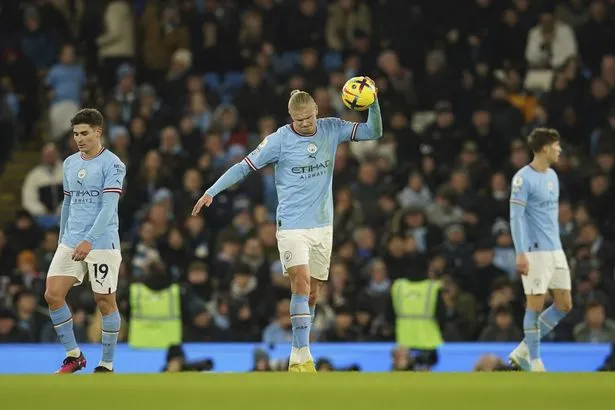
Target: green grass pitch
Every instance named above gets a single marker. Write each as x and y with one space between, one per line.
353 391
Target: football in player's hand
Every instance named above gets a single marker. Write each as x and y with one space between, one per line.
359 93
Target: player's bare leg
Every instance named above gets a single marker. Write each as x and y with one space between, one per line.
300 317
110 330
562 304
315 286
57 287
562 300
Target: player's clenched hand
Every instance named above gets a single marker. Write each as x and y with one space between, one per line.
523 265
373 83
205 200
81 251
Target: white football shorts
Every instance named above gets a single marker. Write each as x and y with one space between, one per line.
310 247
548 270
103 266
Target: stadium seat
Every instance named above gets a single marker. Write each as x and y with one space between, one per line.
47 221
332 61
232 81
226 98
212 81
285 63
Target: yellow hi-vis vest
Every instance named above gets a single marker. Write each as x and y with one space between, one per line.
155 317
415 305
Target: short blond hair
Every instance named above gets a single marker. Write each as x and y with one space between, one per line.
299 99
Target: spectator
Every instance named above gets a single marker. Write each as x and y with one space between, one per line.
37 43
597 26
7 255
24 232
550 43
279 331
502 328
415 194
44 254
9 331
42 192
163 34
345 18
595 328
459 316
66 78
402 362
65 81
29 319
116 45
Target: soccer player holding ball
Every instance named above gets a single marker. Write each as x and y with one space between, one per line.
304 153
534 208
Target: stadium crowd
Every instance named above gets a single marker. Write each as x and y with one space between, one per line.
189 87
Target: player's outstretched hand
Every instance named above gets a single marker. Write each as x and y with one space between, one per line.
205 200
81 251
523 265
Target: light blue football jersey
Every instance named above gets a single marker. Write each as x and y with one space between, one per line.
304 169
534 209
85 182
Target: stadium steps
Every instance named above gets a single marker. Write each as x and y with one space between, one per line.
12 179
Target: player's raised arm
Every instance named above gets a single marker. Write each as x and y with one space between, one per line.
518 223
363 131
266 153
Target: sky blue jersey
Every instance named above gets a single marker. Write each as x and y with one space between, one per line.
92 188
534 208
303 168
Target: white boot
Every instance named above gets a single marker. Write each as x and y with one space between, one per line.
537 366
520 357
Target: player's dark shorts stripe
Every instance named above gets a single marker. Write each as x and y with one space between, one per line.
249 162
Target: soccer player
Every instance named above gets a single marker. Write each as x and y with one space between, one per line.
534 206
303 153
89 239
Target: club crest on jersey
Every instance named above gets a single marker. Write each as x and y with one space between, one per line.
82 173
518 181
550 185
312 148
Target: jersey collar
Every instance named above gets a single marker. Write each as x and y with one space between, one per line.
95 156
302 135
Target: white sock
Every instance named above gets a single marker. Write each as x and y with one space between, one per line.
300 355
108 365
74 353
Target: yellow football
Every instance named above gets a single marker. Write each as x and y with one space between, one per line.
359 93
